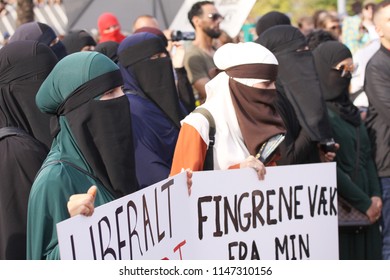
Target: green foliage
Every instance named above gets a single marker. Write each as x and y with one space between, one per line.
293 8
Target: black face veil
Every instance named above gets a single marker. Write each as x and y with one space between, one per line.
154 76
23 67
334 86
102 130
297 79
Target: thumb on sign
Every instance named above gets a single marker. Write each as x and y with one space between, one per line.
82 203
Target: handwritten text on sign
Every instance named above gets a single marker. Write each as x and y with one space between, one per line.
292 214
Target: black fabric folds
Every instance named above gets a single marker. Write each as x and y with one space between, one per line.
141 51
76 40
23 67
97 126
160 86
334 87
83 94
108 48
105 144
297 79
89 90
271 19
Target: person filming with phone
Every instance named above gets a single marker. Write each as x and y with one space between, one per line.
205 19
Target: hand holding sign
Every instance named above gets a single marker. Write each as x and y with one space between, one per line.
189 179
230 214
82 203
256 164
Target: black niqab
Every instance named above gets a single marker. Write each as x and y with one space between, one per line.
41 32
23 67
109 49
103 132
155 77
75 40
271 19
297 79
334 87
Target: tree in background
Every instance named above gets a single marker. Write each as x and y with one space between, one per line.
24 11
293 8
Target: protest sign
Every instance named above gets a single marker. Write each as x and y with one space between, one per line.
230 214
292 214
142 225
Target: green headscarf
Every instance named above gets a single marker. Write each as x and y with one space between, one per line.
70 73
94 135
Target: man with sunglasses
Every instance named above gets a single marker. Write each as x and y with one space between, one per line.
205 19
377 87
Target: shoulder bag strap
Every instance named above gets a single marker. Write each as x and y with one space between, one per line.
209 160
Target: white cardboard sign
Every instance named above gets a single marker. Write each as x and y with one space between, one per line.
230 214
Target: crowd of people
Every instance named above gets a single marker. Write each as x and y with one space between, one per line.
85 120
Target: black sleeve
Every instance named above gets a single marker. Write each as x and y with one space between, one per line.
184 88
297 147
299 150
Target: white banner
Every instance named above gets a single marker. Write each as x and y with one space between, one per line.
234 11
292 214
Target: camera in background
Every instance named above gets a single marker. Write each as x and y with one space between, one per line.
178 35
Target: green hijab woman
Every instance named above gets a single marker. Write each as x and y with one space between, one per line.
92 145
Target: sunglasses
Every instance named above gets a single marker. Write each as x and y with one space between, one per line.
347 69
215 16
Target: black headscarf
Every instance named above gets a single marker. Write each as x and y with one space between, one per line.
109 49
271 19
41 32
152 78
23 67
21 158
154 31
334 87
297 79
74 41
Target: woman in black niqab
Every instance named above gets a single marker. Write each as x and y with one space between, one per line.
298 86
335 88
357 176
41 32
297 78
23 67
271 19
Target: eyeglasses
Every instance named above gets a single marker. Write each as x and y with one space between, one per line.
215 16
347 69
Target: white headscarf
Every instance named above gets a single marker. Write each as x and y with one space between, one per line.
229 148
227 57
